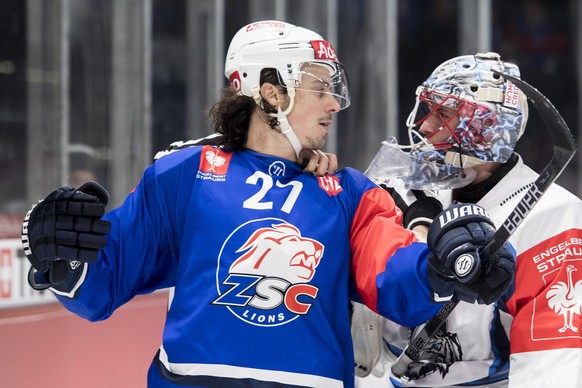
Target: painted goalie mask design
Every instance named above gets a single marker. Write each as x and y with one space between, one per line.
465 114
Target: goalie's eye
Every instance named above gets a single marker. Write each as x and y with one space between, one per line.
445 113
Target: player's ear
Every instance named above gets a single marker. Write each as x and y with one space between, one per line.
272 95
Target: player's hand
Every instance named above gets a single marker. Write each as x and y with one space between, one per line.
63 231
458 263
318 162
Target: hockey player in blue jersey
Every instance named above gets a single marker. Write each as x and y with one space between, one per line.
261 257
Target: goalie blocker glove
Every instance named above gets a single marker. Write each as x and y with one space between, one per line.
458 263
63 232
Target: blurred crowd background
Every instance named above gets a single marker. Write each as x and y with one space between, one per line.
93 89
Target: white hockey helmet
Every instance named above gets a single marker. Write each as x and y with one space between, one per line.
285 47
492 111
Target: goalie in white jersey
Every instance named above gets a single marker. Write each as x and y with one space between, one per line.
468 119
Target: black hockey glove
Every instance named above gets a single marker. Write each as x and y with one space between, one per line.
458 263
63 231
419 207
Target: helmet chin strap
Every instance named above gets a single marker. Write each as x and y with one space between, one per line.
286 127
464 161
288 131
283 122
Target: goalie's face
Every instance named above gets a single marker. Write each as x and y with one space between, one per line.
439 125
439 122
484 130
443 119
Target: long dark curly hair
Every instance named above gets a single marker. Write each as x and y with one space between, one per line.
230 116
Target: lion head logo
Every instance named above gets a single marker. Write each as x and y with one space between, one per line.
270 271
279 251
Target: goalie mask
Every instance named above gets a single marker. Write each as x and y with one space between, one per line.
466 114
301 57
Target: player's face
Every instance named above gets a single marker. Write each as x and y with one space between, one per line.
439 126
311 116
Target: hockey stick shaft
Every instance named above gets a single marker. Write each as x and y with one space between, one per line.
563 151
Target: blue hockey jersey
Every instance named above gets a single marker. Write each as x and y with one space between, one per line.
262 260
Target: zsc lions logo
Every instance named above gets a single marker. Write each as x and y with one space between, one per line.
267 283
